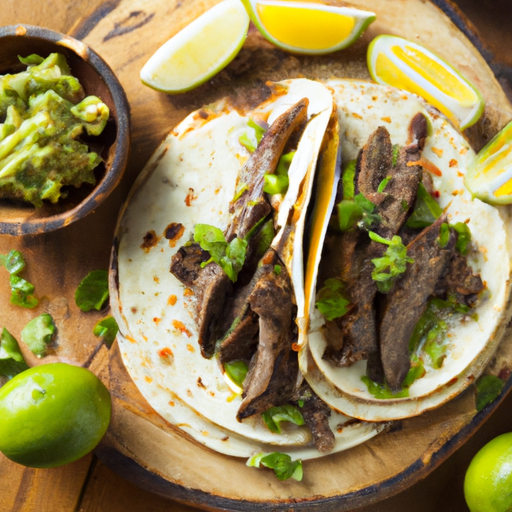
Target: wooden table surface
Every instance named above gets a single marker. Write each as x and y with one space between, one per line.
89 486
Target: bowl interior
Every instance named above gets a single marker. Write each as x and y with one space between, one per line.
97 79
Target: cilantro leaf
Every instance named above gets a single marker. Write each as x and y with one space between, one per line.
230 257
237 371
348 180
444 235
21 290
488 389
92 292
275 415
282 464
284 163
349 214
383 392
11 359
331 301
464 237
38 333
275 184
426 210
250 140
392 264
369 218
383 184
107 329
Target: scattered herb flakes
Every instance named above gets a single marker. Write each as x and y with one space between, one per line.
488 388
383 392
237 371
92 292
282 464
444 235
275 415
396 151
107 329
21 290
11 359
348 180
331 300
383 184
463 238
392 264
38 333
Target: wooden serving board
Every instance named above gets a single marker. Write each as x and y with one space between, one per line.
140 445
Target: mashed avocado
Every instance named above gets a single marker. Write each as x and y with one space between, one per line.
44 113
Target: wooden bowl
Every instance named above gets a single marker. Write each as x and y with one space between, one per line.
97 78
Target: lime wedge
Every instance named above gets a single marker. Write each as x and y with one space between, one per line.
489 178
406 65
307 27
199 51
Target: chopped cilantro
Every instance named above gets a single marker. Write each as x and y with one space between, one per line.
92 292
405 205
300 403
237 371
11 359
348 180
282 464
383 392
107 329
392 264
284 163
265 237
250 140
444 235
464 237
488 389
229 256
38 333
396 151
331 301
275 415
349 214
383 184
275 184
277 269
426 210
21 290
240 190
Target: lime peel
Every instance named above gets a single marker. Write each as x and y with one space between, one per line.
489 177
199 51
312 28
404 64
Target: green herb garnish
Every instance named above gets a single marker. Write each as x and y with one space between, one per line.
107 329
383 184
396 152
38 333
229 256
426 210
282 464
277 269
250 143
383 392
488 389
331 300
238 193
275 184
444 235
11 359
21 290
349 174
464 237
392 264
237 371
284 163
275 415
92 292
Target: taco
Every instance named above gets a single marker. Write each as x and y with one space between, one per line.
234 344
236 283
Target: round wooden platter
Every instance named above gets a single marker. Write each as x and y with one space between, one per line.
140 445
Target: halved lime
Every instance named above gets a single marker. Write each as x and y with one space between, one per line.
199 51
489 178
406 65
308 27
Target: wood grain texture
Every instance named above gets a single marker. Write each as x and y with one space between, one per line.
125 33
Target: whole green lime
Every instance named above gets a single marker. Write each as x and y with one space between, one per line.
488 482
52 414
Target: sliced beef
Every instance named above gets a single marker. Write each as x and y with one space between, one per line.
252 205
316 415
407 300
186 263
211 288
460 280
272 373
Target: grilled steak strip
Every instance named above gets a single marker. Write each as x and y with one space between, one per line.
186 263
407 301
272 374
252 205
